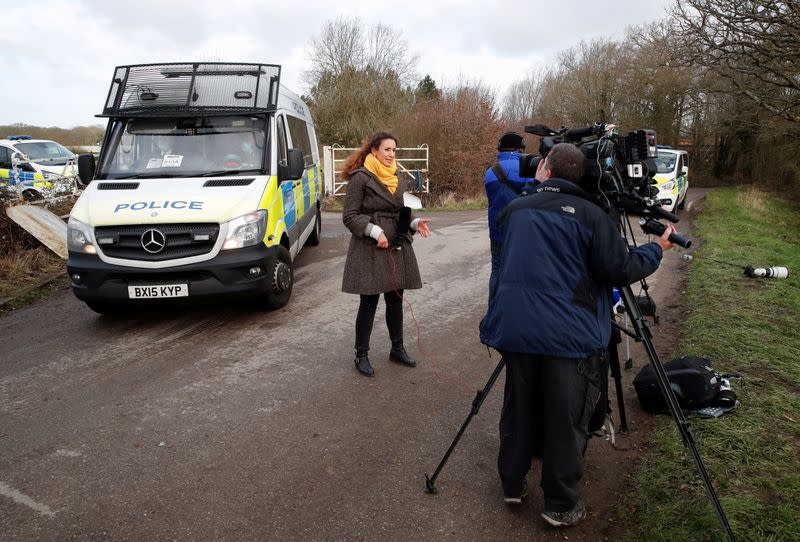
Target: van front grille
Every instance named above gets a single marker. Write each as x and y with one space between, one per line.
227 182
156 242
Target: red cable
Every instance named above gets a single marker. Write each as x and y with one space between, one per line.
441 377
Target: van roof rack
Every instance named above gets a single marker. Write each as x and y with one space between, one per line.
188 89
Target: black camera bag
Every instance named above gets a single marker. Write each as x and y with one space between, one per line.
695 384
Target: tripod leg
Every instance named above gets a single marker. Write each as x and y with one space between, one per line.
628 359
480 396
616 373
645 335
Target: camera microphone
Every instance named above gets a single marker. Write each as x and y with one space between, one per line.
540 130
660 212
766 272
579 133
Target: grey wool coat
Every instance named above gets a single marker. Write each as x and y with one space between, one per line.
368 269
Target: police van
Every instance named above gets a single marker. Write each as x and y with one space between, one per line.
207 184
672 177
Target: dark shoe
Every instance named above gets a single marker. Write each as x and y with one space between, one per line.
566 519
363 365
399 354
517 499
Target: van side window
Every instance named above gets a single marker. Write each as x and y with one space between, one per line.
5 158
299 133
282 153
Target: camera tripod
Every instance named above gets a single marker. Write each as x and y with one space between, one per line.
641 332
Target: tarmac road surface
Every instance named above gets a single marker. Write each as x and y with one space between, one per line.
227 423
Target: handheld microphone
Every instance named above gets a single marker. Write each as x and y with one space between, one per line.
766 272
654 227
403 225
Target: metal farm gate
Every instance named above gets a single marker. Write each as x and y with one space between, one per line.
412 167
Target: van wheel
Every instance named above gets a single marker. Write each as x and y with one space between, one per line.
316 235
282 280
682 204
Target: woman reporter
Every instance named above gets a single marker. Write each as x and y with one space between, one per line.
379 261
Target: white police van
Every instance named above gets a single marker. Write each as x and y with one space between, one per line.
672 176
207 184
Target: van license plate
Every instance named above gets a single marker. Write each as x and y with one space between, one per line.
158 291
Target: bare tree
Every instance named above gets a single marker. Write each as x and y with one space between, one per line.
753 45
387 51
360 81
339 46
345 44
523 98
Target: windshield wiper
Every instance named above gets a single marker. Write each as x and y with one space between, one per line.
151 176
228 172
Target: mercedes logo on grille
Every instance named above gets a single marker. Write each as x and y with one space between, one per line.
153 241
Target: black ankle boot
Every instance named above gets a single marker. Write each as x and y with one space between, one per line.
362 363
398 353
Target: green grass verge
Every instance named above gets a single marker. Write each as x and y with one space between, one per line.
749 326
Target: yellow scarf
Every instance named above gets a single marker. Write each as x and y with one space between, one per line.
386 174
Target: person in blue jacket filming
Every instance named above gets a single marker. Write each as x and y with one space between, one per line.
503 184
550 318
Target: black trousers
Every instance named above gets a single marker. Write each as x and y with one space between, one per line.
366 317
547 405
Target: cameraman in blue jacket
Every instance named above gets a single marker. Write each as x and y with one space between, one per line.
550 318
503 184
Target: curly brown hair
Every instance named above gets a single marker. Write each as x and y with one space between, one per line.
356 160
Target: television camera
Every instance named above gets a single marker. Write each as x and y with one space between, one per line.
619 170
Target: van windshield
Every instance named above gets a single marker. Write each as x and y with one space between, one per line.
665 163
184 147
47 153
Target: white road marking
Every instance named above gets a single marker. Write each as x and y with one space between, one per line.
21 498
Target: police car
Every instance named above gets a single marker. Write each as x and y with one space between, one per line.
33 164
672 176
207 185
47 157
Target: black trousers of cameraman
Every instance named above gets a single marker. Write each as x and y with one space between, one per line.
547 405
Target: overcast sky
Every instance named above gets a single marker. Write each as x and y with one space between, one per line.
58 55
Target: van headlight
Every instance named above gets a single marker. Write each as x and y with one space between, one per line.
49 175
668 186
79 236
246 230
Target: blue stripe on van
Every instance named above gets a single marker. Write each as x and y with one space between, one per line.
306 192
289 207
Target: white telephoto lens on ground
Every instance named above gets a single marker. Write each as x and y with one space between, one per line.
771 272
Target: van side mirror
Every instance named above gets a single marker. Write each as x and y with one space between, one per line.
294 168
86 168
685 170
